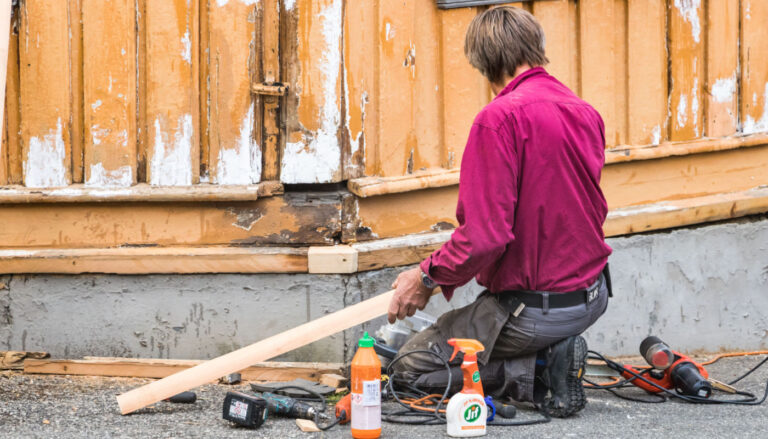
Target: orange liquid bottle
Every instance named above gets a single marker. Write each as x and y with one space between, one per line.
366 391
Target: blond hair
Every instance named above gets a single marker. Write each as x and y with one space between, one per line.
501 39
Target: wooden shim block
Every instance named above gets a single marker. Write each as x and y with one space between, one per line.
45 96
754 66
307 426
14 360
172 96
259 351
110 89
333 380
332 259
161 368
687 67
722 96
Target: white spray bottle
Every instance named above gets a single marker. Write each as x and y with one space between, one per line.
466 412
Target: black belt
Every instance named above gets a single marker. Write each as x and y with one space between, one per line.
511 300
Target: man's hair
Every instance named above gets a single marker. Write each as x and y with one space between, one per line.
501 39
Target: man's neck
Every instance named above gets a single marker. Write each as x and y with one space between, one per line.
497 87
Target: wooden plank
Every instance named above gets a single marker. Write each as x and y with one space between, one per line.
754 66
10 150
671 149
464 90
292 219
560 23
109 71
161 368
313 148
172 64
6 18
75 22
259 351
270 60
395 252
234 154
599 21
139 193
155 260
45 98
332 260
372 186
722 100
687 64
647 73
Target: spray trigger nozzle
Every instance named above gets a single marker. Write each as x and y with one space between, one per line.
469 346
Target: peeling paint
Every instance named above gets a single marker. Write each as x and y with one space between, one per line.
186 48
751 125
682 106
241 164
221 3
171 163
389 31
44 165
96 104
289 4
689 10
100 177
724 89
656 135
695 105
316 158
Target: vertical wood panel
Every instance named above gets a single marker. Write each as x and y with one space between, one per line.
360 100
312 152
234 154
109 70
722 109
647 73
687 63
75 19
599 21
10 151
45 97
268 121
465 90
560 23
172 94
754 62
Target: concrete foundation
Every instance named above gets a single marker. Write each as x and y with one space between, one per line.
700 289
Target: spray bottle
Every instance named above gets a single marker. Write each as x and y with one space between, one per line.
466 412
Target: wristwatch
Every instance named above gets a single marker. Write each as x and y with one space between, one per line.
427 281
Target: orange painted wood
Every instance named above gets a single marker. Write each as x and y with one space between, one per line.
10 149
464 90
687 69
109 71
259 351
268 119
172 96
722 97
234 156
647 73
75 20
558 18
46 109
754 66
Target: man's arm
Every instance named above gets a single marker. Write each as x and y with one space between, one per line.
486 213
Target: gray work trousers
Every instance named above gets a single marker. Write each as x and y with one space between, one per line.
508 365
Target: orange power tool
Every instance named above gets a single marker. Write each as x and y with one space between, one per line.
670 370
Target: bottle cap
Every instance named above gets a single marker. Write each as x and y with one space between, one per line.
366 342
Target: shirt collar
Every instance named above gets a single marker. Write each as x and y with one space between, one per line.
520 78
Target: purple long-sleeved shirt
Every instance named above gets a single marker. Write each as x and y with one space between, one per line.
530 207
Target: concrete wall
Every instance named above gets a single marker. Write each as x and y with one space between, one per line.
703 288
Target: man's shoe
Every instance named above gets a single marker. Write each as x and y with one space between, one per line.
566 361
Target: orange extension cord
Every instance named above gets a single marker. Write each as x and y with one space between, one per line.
717 358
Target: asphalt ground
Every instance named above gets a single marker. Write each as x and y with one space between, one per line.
37 406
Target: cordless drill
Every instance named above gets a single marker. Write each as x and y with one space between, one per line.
287 407
670 370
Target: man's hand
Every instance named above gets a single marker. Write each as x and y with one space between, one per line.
410 295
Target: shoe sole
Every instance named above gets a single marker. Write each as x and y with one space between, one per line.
577 399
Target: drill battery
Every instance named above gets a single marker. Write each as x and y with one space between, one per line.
247 410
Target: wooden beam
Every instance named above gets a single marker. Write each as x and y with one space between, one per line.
138 193
395 252
155 260
371 186
160 368
259 351
332 259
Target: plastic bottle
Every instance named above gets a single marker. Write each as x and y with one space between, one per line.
366 391
466 412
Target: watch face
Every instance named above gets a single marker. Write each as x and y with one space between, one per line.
427 281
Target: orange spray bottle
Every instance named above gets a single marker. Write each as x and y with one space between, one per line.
466 411
366 391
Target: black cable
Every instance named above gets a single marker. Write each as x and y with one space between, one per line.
315 397
749 372
435 418
750 399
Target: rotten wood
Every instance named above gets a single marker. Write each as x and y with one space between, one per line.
270 93
15 360
161 368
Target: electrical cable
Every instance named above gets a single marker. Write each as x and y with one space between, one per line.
435 416
749 398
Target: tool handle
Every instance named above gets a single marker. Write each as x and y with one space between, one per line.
183 398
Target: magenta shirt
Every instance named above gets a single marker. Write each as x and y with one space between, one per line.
530 207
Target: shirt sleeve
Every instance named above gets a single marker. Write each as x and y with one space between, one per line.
486 210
